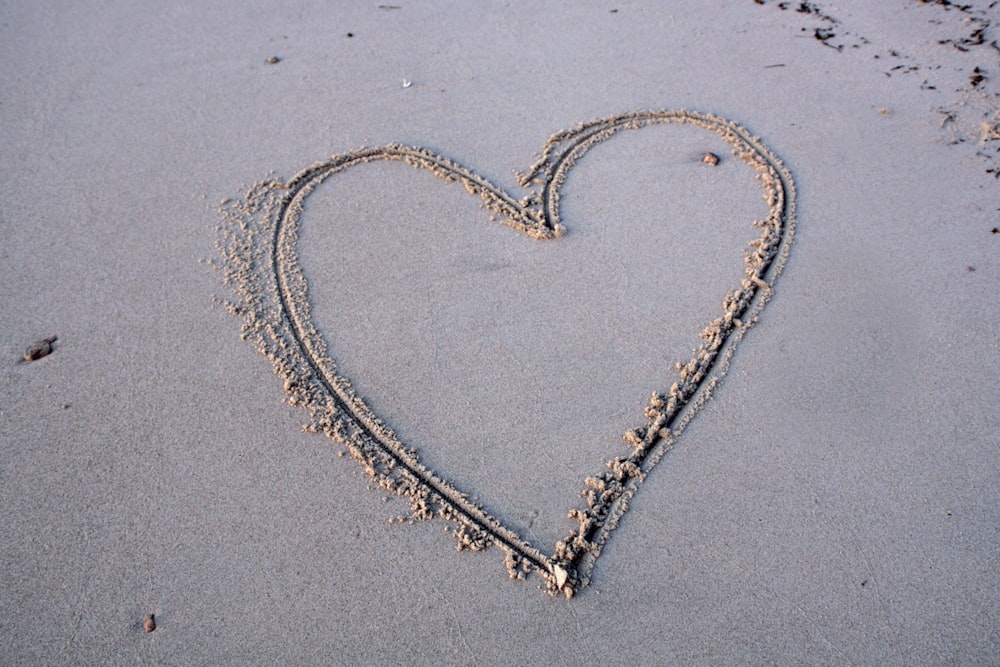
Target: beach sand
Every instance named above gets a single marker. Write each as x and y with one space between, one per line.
835 502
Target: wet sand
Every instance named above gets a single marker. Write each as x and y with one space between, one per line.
835 501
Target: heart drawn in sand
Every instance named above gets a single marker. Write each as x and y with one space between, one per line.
258 243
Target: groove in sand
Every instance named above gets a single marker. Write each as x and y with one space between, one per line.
258 245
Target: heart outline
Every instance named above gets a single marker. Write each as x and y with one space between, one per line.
258 244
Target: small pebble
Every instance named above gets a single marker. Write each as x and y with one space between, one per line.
711 159
149 623
273 60
40 349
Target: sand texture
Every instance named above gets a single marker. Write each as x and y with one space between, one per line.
259 245
546 347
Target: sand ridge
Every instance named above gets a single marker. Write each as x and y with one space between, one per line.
258 246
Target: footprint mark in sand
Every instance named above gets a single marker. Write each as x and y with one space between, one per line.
258 243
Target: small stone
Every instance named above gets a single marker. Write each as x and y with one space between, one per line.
273 60
561 576
711 159
149 623
40 349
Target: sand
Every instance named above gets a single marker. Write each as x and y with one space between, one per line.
259 247
834 502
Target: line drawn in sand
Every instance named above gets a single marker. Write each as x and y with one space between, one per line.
258 245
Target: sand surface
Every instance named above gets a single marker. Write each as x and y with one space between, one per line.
836 502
